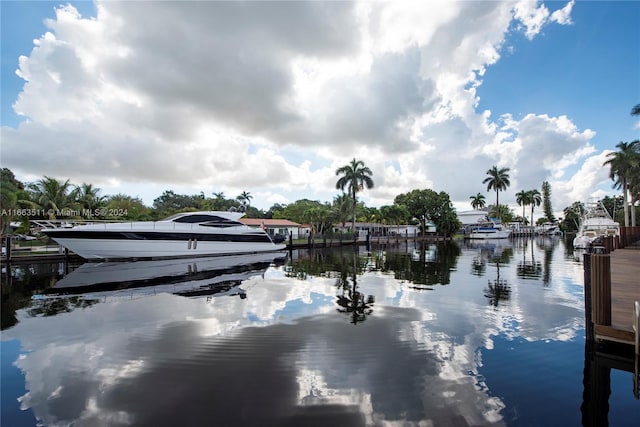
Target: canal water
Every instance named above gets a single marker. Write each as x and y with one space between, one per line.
453 334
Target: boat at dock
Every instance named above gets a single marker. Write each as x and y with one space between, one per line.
548 229
188 234
487 229
595 223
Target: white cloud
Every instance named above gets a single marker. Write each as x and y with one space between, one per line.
563 16
271 98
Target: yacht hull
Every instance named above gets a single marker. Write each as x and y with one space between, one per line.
159 248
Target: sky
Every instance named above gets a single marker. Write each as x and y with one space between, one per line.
272 97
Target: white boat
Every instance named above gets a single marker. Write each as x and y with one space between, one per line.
488 229
189 234
192 277
595 223
548 229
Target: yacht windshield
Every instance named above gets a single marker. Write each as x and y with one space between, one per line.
195 218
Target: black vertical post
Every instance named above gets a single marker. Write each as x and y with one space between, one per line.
589 332
8 248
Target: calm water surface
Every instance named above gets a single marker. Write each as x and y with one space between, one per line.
455 334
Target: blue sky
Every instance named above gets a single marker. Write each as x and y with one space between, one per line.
270 98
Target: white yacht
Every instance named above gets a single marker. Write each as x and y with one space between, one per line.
189 234
488 229
548 229
595 223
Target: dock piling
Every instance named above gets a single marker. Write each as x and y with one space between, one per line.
601 289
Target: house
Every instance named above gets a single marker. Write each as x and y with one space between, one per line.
376 229
283 227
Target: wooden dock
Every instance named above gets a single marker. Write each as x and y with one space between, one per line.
617 325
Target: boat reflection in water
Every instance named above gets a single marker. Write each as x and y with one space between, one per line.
192 277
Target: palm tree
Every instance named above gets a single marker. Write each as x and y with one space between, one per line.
635 111
355 176
88 197
535 199
498 180
522 198
477 201
624 165
54 196
245 198
342 208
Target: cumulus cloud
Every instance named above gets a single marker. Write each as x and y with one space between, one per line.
272 97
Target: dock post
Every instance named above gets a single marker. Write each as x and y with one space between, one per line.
8 248
601 289
588 320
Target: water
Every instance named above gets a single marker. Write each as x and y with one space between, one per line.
441 335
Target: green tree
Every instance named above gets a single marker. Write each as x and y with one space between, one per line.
319 217
395 214
170 203
342 205
245 198
428 205
546 201
355 176
89 197
276 207
624 166
13 196
572 216
635 111
497 180
296 211
55 197
132 207
478 201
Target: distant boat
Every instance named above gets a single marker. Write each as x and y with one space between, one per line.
595 223
189 234
488 229
548 229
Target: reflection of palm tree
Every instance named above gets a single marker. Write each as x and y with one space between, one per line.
478 266
497 290
351 300
526 268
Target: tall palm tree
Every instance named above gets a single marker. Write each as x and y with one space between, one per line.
498 180
624 165
635 111
355 176
522 198
535 199
477 201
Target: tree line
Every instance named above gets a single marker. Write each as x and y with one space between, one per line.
50 198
